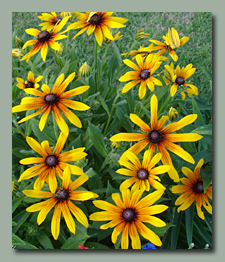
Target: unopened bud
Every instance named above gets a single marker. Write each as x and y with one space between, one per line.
60 51
173 114
85 70
141 35
17 52
191 246
116 144
19 42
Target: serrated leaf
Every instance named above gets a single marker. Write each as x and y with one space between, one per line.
97 139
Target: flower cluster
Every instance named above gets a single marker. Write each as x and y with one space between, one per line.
136 208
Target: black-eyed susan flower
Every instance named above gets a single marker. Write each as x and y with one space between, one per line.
129 215
141 35
51 162
143 175
160 137
97 22
44 39
52 20
192 189
142 74
30 82
172 42
143 51
115 38
60 200
177 78
55 100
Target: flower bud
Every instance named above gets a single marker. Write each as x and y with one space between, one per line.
173 114
85 70
17 52
116 144
141 35
19 42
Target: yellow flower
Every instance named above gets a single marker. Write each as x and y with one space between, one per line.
97 22
116 145
192 189
63 14
142 175
44 39
142 74
172 42
177 77
85 70
129 215
60 200
56 100
115 38
30 82
50 163
52 20
161 137
17 52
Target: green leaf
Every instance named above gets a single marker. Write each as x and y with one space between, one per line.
96 245
20 219
65 68
206 176
36 70
117 52
118 241
16 240
124 120
18 142
203 130
208 73
44 240
199 121
45 134
93 181
79 238
201 229
16 202
97 139
159 231
110 190
104 105
189 217
175 230
14 223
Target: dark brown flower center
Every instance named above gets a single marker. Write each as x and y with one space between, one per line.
145 74
61 195
51 99
44 36
180 81
57 18
128 215
198 187
95 19
51 160
142 174
29 85
155 136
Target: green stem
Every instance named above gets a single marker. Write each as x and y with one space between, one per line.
110 115
18 127
162 107
30 63
55 127
96 65
100 78
67 42
124 59
105 162
56 58
167 62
